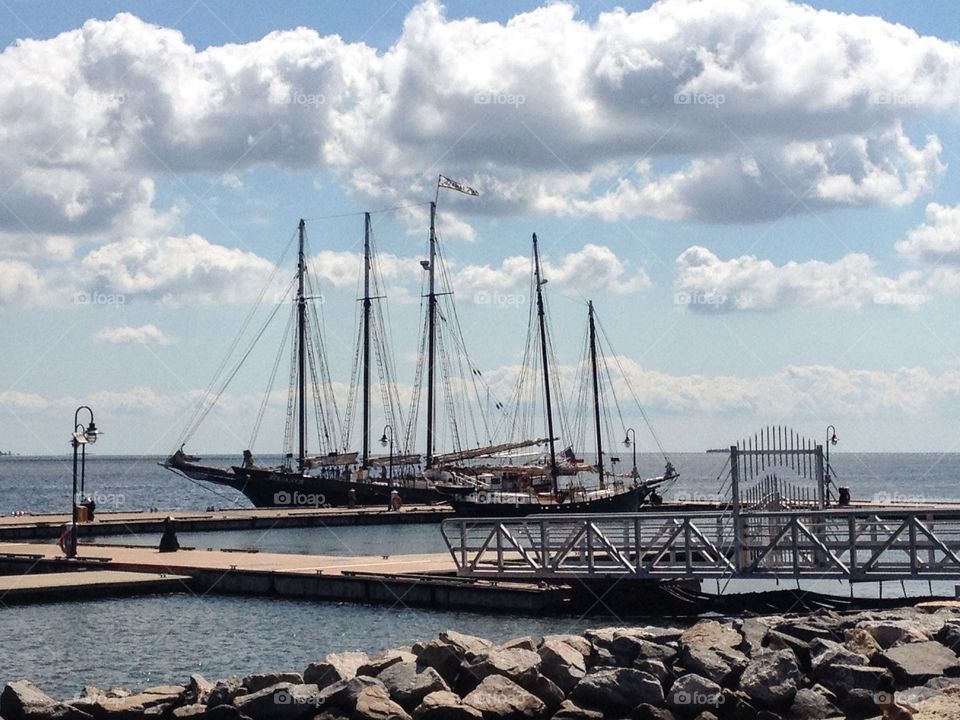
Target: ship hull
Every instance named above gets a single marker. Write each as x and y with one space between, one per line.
277 488
624 502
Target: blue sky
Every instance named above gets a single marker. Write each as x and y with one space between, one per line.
782 248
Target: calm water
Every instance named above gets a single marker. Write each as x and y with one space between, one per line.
151 640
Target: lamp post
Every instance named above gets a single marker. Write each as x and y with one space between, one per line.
831 439
387 437
627 443
82 435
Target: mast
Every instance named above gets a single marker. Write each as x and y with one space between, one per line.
366 341
546 368
431 331
301 354
596 391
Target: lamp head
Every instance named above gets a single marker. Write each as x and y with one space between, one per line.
91 433
834 439
626 440
383 439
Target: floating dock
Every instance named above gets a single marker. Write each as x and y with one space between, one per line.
414 580
86 585
44 527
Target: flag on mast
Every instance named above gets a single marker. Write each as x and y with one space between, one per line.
445 182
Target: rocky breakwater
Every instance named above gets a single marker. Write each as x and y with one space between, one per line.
810 667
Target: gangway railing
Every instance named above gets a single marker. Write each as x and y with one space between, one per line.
858 545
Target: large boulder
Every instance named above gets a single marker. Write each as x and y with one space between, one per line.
569 710
752 632
646 711
694 693
915 663
260 681
577 642
499 698
445 705
772 678
856 686
617 690
711 633
888 633
812 704
335 667
380 661
225 691
446 653
517 664
374 703
408 683
156 701
22 700
527 642
858 640
628 648
562 663
826 653
721 664
343 694
810 627
283 701
781 641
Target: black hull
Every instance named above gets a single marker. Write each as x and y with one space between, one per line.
625 502
274 488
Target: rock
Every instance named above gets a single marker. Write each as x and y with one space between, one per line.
721 665
916 662
569 710
546 690
711 634
527 642
343 694
693 693
336 666
374 703
225 691
89 691
941 683
618 690
856 685
826 653
656 668
562 663
408 683
888 633
859 641
380 661
781 641
445 705
260 681
23 699
601 657
706 715
808 704
627 648
499 698
283 701
577 642
118 693
752 632
190 711
810 628
224 712
646 711
772 678
197 691
447 653
941 707
517 664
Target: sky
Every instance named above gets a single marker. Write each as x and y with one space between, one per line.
761 198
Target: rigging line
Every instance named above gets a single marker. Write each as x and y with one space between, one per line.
381 211
206 487
193 424
236 367
270 382
626 380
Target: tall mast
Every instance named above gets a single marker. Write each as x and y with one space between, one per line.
546 368
366 340
301 354
596 392
431 331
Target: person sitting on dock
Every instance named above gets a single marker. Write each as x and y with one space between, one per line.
396 502
169 542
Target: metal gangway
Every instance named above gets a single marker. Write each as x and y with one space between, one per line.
771 528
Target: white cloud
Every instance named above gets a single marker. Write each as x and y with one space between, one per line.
16 401
129 335
705 283
21 283
787 108
937 241
174 270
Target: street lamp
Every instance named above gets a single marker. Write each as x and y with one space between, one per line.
82 435
627 443
831 440
387 437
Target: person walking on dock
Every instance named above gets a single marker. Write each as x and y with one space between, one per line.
169 542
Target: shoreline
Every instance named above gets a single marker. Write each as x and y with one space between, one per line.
797 667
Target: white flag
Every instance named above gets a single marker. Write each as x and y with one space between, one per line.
446 182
